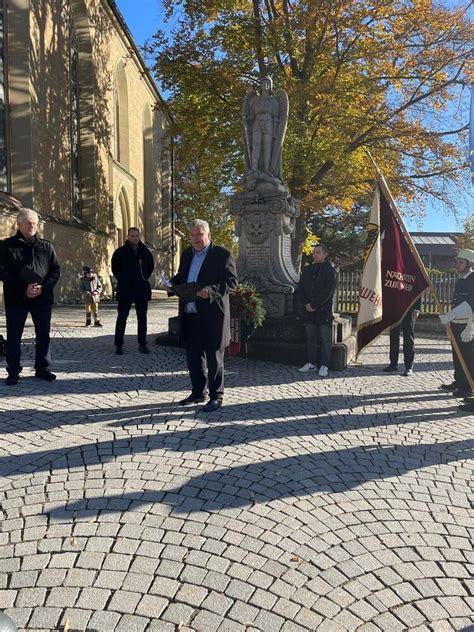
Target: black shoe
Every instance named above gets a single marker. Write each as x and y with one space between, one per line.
192 399
118 350
45 374
467 407
88 323
143 349
12 379
212 405
461 392
98 323
390 368
408 372
449 387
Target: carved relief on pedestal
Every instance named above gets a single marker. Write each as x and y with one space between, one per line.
256 226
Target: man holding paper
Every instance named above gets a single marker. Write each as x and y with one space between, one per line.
29 270
205 321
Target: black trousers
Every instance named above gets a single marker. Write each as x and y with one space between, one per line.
16 317
318 343
123 310
198 356
467 351
407 327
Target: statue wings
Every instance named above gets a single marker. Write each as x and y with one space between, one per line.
247 121
248 118
283 107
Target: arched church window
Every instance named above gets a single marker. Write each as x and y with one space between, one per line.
116 124
75 122
3 109
148 177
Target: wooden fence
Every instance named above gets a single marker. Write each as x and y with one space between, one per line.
348 283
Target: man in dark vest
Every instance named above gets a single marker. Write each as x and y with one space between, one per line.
132 266
461 319
29 270
205 322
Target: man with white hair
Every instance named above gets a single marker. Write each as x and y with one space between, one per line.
29 270
461 319
205 321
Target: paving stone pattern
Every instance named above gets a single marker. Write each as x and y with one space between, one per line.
303 504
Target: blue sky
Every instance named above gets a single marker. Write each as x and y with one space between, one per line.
144 17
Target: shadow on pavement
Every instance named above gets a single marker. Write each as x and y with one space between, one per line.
334 471
205 438
313 410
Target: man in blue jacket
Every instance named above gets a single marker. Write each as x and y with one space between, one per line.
29 270
132 266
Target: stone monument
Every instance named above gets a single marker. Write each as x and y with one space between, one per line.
265 225
265 212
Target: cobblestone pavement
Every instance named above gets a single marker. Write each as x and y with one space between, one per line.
303 504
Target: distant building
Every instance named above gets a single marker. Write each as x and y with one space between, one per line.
84 134
437 250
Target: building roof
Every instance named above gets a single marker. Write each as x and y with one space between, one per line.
436 243
435 238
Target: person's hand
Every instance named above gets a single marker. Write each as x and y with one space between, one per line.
309 308
466 333
33 290
204 293
415 314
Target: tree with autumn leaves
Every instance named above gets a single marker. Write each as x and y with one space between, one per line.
388 76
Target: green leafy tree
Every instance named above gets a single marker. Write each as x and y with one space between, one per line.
344 234
467 240
385 76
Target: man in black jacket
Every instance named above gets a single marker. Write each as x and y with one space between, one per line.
29 270
315 295
205 322
132 266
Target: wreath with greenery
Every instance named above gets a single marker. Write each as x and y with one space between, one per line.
246 303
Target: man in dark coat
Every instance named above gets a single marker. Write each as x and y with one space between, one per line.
132 266
205 322
407 328
315 296
29 270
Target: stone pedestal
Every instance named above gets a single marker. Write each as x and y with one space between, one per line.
283 341
265 224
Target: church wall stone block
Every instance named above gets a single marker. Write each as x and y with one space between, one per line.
87 134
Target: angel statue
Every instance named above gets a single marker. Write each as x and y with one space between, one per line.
264 118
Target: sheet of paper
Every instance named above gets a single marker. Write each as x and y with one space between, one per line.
165 281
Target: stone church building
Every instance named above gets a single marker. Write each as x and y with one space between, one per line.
84 135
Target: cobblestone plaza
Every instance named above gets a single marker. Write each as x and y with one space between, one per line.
303 504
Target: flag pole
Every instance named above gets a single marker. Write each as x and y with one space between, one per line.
414 252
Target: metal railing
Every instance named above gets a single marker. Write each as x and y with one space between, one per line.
348 284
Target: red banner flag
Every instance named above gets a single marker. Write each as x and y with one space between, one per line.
393 277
